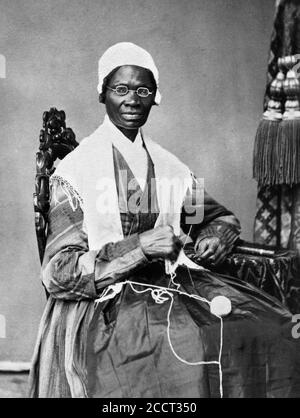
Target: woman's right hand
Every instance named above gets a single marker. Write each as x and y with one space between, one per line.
160 242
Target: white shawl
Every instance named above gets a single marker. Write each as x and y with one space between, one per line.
87 174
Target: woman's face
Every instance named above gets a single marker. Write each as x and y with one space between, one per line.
130 111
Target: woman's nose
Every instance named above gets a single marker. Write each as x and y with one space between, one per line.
132 98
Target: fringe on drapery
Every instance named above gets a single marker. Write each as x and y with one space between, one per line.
266 157
72 195
276 156
289 152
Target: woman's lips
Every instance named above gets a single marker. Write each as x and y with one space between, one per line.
132 116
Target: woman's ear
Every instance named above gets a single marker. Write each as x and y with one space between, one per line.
101 98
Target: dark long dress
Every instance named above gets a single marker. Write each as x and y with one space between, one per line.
129 353
132 346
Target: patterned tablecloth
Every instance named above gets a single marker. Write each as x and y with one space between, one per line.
276 271
278 275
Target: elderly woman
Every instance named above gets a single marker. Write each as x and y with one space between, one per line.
129 314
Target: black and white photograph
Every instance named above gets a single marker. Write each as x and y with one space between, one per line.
150 201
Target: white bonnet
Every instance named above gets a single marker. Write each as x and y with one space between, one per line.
126 53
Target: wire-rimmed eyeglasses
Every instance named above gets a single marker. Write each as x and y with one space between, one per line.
122 90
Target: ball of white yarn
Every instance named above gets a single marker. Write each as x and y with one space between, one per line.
220 306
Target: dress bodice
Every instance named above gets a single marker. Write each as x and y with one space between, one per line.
138 208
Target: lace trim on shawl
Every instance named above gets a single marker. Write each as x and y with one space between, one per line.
72 195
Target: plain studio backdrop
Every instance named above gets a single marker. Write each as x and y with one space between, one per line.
212 56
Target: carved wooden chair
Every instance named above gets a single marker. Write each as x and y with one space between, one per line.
56 141
274 270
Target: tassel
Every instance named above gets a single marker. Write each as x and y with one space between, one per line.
289 149
289 131
265 154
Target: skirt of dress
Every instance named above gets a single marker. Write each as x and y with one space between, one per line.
142 344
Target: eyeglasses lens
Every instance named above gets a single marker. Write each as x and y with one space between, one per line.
143 92
121 90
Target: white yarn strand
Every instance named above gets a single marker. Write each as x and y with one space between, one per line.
157 293
220 356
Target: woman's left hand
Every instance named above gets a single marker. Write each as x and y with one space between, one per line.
211 250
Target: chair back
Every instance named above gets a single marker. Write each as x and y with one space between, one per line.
55 142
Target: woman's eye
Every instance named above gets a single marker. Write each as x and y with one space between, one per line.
143 91
121 89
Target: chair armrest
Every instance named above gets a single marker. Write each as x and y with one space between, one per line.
271 269
251 248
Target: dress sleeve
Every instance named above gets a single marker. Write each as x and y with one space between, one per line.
216 220
70 270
